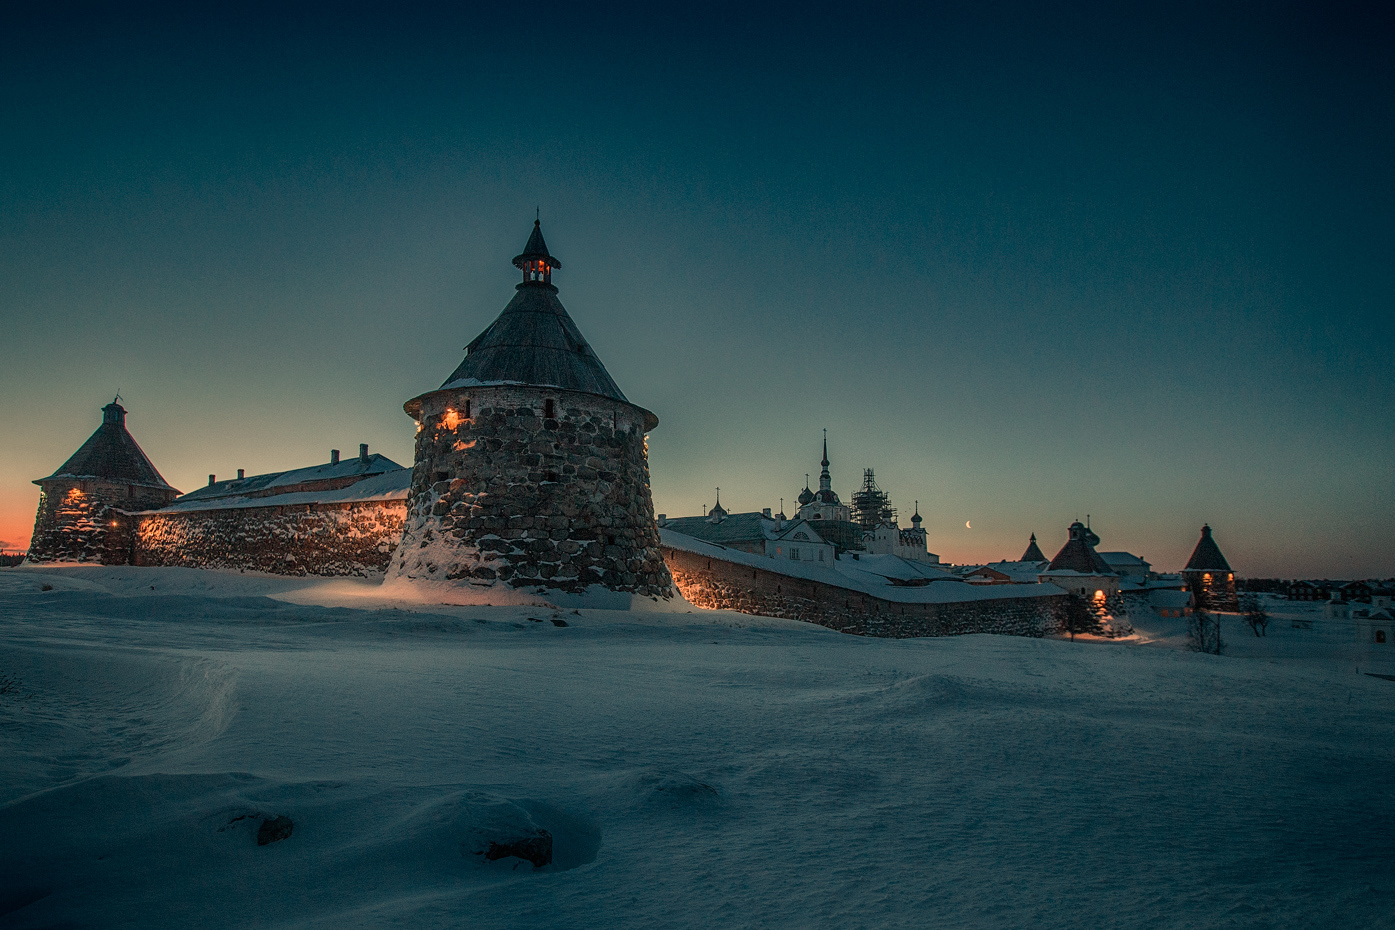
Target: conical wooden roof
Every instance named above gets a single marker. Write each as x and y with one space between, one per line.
1206 557
111 454
1078 554
535 342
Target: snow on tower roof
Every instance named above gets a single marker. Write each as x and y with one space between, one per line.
1206 557
111 454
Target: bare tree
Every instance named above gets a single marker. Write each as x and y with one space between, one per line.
1204 633
1255 616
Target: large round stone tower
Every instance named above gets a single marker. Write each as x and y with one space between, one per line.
531 466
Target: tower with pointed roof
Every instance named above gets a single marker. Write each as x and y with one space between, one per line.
1209 577
84 506
531 466
1080 571
1033 553
829 516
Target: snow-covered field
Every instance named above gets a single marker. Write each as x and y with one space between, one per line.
694 769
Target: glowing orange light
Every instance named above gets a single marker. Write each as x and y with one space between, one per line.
451 419
1099 595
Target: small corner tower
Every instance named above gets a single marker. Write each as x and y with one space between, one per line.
1033 553
531 466
84 506
1209 577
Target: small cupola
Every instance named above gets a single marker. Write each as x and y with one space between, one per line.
915 519
535 262
717 514
114 413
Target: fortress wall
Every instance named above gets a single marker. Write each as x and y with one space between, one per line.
503 494
334 538
721 585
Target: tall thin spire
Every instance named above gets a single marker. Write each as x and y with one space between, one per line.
825 479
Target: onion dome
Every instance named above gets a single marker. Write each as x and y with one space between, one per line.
806 496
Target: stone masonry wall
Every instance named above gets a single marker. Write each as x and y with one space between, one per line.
87 521
503 494
721 585
353 538
1213 590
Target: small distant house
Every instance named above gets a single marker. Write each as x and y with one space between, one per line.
1356 591
1306 591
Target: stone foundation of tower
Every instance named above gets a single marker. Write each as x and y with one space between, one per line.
504 494
88 520
1213 590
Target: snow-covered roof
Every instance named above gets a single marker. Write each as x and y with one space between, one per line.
939 591
391 485
1024 572
740 527
267 484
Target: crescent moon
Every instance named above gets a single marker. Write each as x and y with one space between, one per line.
966 525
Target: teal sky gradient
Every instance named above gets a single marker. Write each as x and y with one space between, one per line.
1028 263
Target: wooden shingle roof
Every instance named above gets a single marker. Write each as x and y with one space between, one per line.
111 454
1206 557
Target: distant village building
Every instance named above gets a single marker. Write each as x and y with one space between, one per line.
1209 577
84 506
531 466
1127 565
756 533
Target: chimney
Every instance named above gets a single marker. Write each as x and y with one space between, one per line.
241 473
363 452
662 519
211 479
765 512
334 456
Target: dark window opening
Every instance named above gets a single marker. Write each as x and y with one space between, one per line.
1380 636
467 410
548 410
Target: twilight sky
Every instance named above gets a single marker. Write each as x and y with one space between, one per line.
1028 262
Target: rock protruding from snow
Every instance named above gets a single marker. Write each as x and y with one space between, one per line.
535 848
274 830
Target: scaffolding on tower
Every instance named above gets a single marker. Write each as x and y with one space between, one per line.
871 506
